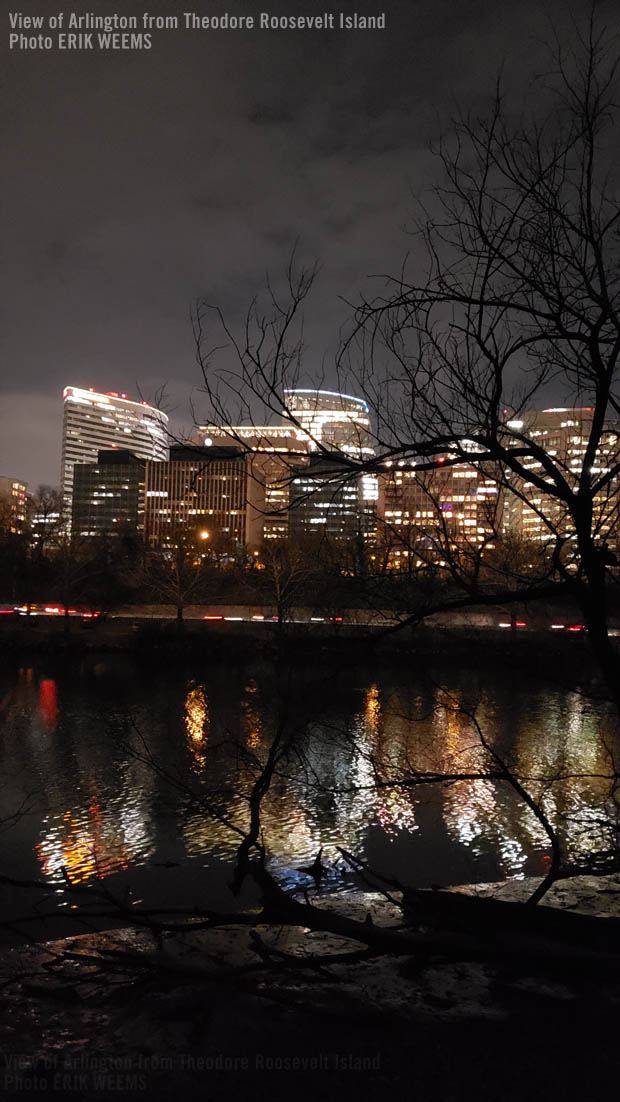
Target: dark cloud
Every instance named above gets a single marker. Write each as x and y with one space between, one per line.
137 182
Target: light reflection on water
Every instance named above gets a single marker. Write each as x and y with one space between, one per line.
197 724
81 744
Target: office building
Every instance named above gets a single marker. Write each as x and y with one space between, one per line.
273 454
108 496
313 421
326 500
94 421
563 434
200 491
424 515
14 502
336 422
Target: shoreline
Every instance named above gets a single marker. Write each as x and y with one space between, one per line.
564 660
197 1035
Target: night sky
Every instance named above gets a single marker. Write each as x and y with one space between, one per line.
138 181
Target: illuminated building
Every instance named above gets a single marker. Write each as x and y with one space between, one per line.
14 498
108 496
325 501
199 488
273 452
456 508
290 490
563 434
45 526
336 422
93 421
425 514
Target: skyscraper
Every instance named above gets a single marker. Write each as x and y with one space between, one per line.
94 421
563 433
337 422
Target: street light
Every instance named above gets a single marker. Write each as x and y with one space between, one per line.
204 535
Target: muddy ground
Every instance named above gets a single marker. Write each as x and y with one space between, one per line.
116 1015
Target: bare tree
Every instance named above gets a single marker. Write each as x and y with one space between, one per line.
288 571
520 298
175 569
48 510
513 296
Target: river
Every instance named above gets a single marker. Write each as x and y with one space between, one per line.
138 773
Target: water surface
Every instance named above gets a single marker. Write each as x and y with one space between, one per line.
142 775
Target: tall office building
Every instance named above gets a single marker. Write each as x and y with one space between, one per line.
198 490
280 499
327 502
274 453
424 514
93 422
337 422
563 434
108 496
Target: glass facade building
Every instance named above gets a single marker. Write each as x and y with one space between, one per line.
108 496
326 501
337 422
95 421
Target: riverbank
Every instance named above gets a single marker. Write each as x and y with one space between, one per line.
23 635
563 659
192 1025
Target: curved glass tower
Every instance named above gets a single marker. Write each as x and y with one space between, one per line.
334 421
94 421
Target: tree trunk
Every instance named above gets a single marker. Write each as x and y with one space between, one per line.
593 603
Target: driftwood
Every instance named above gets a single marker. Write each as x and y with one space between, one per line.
491 918
463 928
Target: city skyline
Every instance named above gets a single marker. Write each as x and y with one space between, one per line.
137 184
291 483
